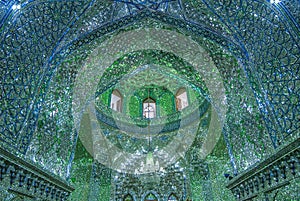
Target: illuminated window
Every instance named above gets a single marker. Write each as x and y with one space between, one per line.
149 108
172 197
116 101
150 197
181 99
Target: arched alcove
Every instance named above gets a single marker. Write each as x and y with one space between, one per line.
173 197
116 101
181 99
128 197
150 197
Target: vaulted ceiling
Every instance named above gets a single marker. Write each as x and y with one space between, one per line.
56 56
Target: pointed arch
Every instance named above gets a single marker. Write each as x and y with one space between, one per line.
116 101
128 197
181 99
173 197
150 197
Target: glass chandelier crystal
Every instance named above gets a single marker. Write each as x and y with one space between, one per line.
150 165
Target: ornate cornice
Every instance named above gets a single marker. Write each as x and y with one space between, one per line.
22 178
168 124
274 172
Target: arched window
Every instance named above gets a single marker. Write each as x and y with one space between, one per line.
116 101
181 99
150 197
172 197
149 108
128 197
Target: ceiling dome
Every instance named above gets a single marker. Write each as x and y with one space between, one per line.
137 76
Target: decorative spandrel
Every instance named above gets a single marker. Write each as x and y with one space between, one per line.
273 47
292 8
27 44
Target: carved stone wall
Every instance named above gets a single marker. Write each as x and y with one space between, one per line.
265 179
25 181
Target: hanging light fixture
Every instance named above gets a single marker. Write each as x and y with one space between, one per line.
150 165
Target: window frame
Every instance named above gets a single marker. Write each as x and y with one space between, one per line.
149 102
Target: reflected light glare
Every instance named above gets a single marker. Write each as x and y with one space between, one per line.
274 1
16 7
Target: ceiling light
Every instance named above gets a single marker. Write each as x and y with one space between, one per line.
275 1
16 7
